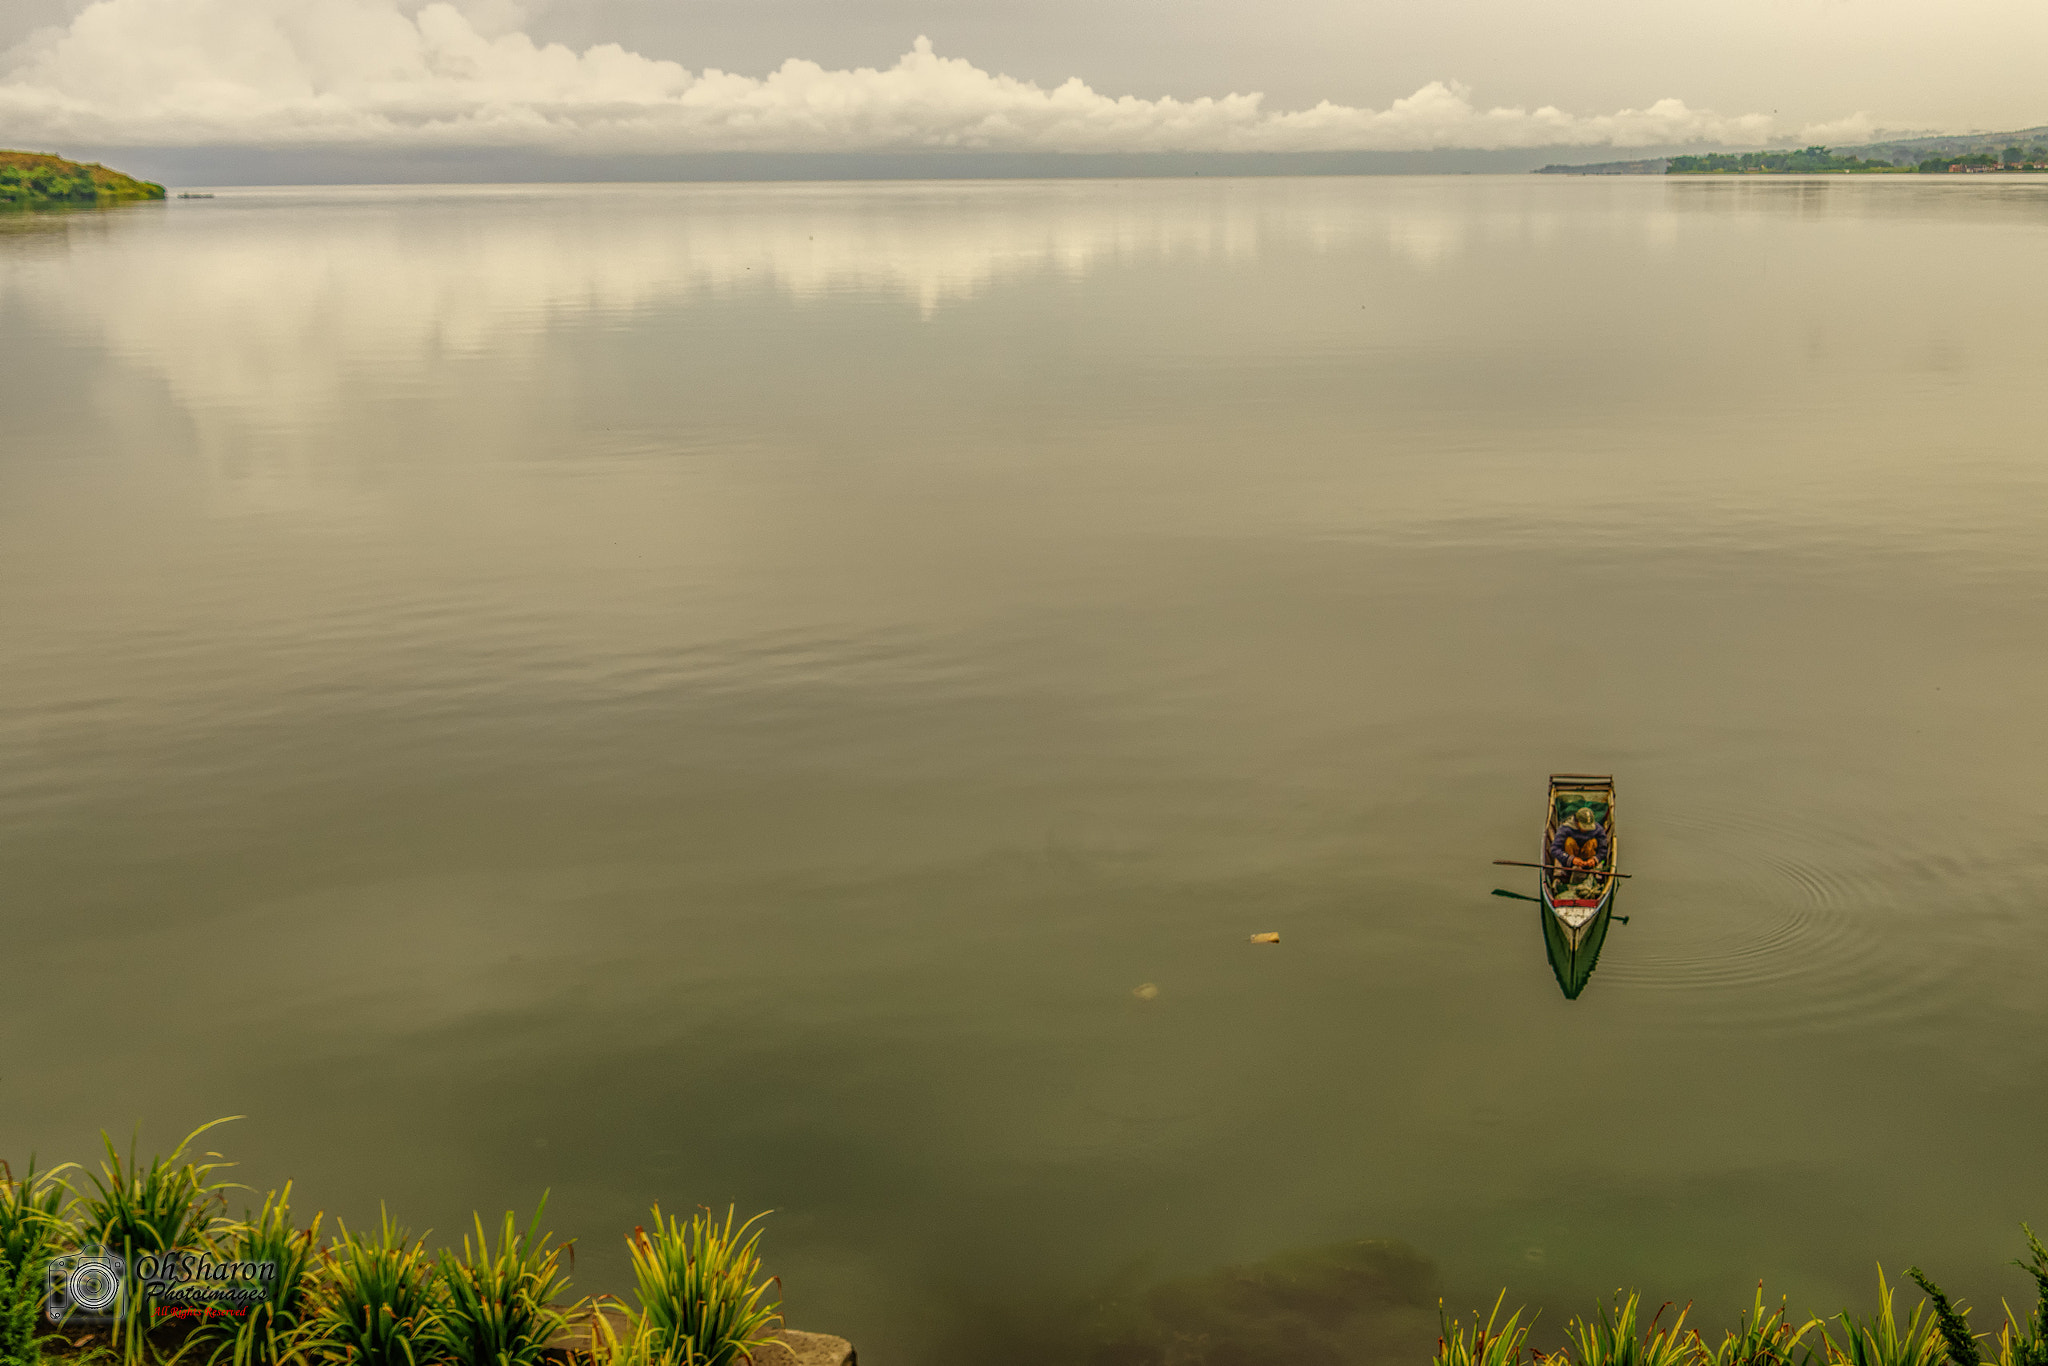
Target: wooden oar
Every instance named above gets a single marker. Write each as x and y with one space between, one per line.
1559 868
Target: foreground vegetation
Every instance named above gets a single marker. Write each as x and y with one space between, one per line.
379 1297
33 178
1937 1333
373 1297
1362 1303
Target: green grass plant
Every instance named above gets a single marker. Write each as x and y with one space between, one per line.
2024 1341
134 1211
499 1302
172 1203
641 1345
1880 1340
1490 1344
32 1226
1952 1320
20 1341
277 1328
378 1298
1761 1339
2017 1347
32 1211
1613 1338
700 1288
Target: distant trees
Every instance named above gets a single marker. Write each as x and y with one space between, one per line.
1805 161
1818 160
20 184
1974 161
30 178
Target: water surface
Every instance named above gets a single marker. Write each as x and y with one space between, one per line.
723 693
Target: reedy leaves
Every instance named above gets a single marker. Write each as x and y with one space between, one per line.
1881 1341
498 1306
700 1288
278 1328
1491 1344
379 1299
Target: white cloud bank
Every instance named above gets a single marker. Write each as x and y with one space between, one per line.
371 72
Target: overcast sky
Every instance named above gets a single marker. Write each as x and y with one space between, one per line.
610 76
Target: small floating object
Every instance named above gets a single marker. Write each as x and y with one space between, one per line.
1267 938
1148 992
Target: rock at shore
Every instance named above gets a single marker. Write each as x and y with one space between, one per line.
795 1348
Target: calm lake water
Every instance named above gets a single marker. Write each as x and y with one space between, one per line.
723 693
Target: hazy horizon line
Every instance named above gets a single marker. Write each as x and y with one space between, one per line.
258 166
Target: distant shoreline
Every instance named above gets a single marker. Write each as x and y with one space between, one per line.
311 166
36 179
2017 151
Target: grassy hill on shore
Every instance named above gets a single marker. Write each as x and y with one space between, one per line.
28 178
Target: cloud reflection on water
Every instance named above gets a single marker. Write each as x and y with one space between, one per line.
268 316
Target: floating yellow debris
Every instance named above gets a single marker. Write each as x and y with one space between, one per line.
1267 938
1147 992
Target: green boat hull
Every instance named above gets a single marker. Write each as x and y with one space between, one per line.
1573 953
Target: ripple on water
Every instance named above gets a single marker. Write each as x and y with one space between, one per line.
1814 924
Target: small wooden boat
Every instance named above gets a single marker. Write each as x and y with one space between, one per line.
1578 903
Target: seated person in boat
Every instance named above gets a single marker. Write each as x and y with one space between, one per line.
1580 842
